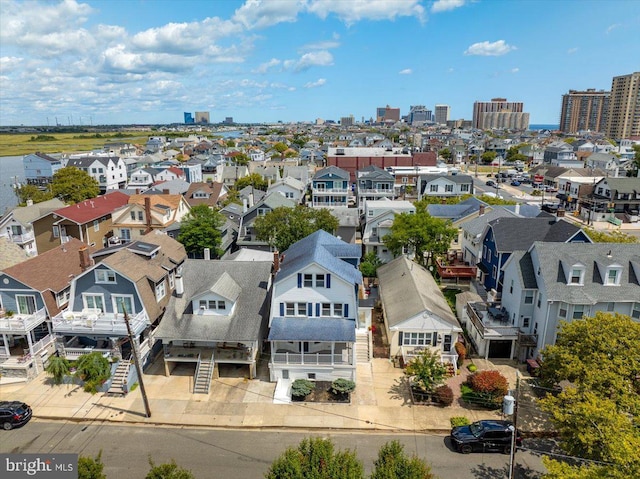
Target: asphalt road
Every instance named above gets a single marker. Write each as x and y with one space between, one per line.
240 454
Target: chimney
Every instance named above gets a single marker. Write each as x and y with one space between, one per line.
207 254
481 210
138 191
517 210
251 198
276 261
560 213
166 192
85 262
179 286
244 205
147 212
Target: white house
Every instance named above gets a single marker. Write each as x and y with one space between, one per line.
444 185
378 218
109 171
17 224
289 188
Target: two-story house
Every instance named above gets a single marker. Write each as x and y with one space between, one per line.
330 187
314 310
372 184
247 237
378 219
290 188
109 171
552 282
30 293
142 178
503 236
216 318
89 221
444 185
614 195
39 168
17 224
416 313
144 213
169 174
192 170
139 280
210 194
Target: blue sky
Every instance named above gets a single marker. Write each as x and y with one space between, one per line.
148 61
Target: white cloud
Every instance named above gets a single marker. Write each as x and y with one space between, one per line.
490 49
406 71
351 11
8 64
321 45
515 70
612 27
321 58
571 51
264 13
444 5
317 83
266 66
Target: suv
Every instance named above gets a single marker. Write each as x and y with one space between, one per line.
13 414
484 436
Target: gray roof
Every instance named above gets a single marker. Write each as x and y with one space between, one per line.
312 329
248 320
332 170
27 214
525 269
477 225
624 185
555 283
457 211
346 216
407 290
175 187
325 250
375 172
460 179
513 234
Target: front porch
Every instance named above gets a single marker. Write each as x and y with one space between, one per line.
21 363
222 352
409 352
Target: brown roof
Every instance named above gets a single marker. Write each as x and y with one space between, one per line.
52 271
10 253
214 189
172 201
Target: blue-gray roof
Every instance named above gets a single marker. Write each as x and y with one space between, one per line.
457 211
312 329
325 250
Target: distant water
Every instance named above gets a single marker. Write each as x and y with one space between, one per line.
11 170
542 126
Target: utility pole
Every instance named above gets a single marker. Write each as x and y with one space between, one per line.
136 361
514 433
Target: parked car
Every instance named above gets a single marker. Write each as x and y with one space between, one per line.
485 436
515 183
491 183
14 414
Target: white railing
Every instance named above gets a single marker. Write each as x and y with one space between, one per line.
22 237
309 358
89 321
43 343
22 322
75 353
375 191
329 191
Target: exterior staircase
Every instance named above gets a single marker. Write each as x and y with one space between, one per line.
120 377
204 373
363 347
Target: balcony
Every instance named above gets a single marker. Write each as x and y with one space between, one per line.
313 359
93 321
221 353
331 191
491 322
21 323
455 269
22 238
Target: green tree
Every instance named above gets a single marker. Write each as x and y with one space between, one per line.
254 179
597 415
393 463
635 167
91 467
420 233
93 369
446 154
426 370
230 143
280 148
492 200
284 226
316 458
169 470
369 265
612 236
241 159
201 229
488 156
33 193
73 185
299 140
58 368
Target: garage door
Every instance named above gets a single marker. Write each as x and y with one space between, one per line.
500 349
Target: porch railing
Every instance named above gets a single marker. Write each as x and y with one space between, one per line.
309 358
22 322
79 322
75 353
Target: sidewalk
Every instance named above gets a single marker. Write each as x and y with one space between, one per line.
379 403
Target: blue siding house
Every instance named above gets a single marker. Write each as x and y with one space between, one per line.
503 236
39 168
330 187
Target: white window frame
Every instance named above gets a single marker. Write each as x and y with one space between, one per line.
115 299
105 276
338 309
172 280
635 311
160 290
321 281
416 339
96 225
576 273
582 311
289 309
307 280
56 231
63 296
528 295
27 296
326 310
92 296
616 279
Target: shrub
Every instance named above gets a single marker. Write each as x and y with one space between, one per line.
491 382
342 386
444 395
91 467
459 421
58 368
302 388
426 370
169 470
93 369
472 368
462 352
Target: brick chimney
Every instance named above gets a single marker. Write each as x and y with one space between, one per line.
560 213
166 191
147 212
276 261
481 210
85 261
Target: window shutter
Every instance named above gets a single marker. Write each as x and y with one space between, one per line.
309 309
282 309
435 339
400 338
318 309
346 310
328 280
299 280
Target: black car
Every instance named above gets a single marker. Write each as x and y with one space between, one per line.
484 436
14 414
490 183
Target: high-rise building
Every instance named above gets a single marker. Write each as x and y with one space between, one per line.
188 118
419 114
202 117
624 107
386 113
584 110
347 121
484 114
442 114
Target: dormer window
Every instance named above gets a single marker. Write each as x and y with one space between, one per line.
105 276
577 276
613 276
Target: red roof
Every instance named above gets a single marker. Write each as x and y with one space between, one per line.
89 210
177 171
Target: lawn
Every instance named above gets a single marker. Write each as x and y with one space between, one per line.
24 143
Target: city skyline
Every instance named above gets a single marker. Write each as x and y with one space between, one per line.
100 62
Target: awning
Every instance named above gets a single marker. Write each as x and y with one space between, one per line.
483 268
312 329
